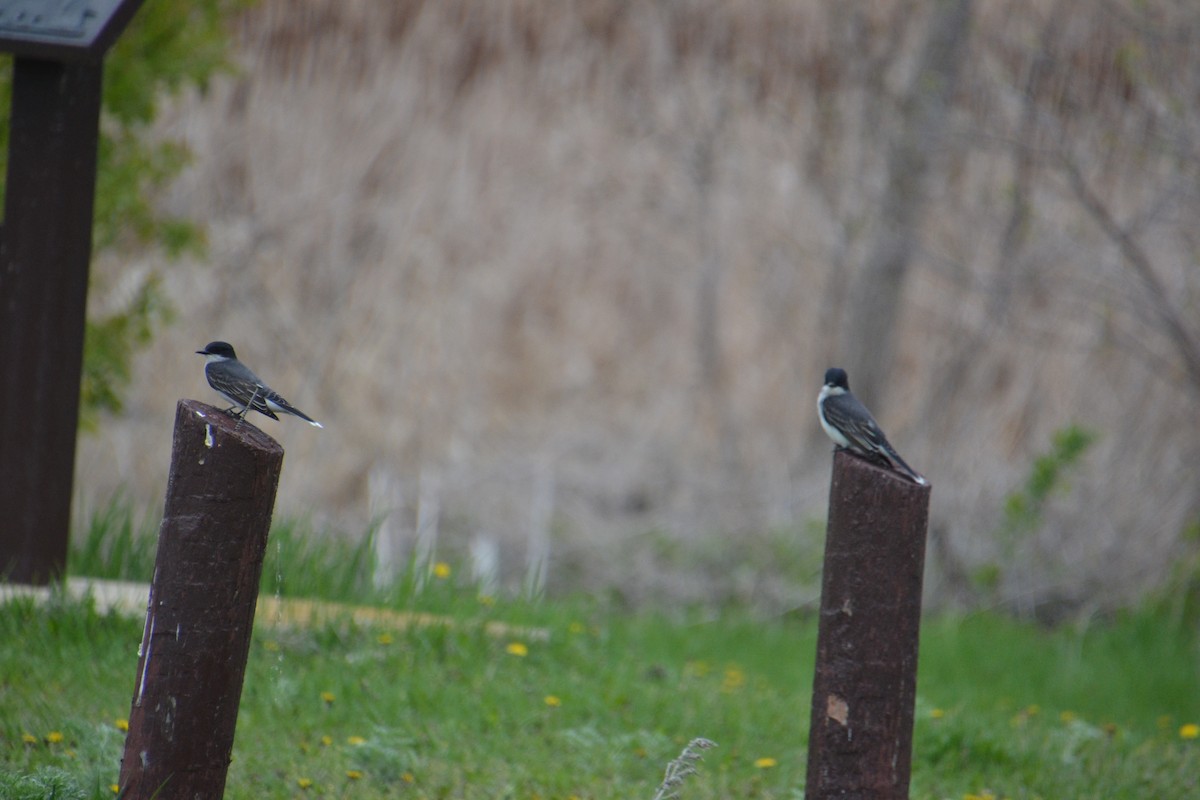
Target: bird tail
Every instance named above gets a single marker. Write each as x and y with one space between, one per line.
306 418
904 469
283 405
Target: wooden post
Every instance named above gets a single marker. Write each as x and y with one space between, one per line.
860 739
211 545
45 245
44 253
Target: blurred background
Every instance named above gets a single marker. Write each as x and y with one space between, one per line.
561 280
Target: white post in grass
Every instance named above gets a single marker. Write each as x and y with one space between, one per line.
384 500
428 514
541 512
485 563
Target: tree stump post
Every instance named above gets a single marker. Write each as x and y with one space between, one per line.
192 660
864 689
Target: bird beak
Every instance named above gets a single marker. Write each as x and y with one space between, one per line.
201 353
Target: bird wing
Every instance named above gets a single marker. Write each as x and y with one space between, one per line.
260 401
242 386
855 422
851 417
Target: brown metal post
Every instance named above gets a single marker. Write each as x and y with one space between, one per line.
860 739
44 251
220 495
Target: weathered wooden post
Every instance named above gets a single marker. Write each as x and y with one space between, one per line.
196 641
860 740
45 247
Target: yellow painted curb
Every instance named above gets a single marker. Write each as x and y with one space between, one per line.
126 597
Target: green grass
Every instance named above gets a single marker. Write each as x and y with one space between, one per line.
599 708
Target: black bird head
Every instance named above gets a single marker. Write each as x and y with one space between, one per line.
834 376
224 349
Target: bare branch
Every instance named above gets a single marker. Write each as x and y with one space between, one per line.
1139 261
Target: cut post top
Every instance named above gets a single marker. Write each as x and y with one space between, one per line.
244 431
861 468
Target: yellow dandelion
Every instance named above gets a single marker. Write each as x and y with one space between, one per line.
328 697
114 788
407 777
696 668
355 740
384 638
121 724
304 783
326 740
354 774
553 700
765 763
486 600
271 646
937 713
29 738
517 649
1068 716
734 679
441 570
1189 731
576 628
54 737
1025 714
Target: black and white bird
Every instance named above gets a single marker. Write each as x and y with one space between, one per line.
851 426
234 381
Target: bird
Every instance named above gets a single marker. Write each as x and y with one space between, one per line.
851 426
234 381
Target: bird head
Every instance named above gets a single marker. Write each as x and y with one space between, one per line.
836 378
218 351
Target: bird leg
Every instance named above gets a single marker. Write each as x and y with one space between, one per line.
242 416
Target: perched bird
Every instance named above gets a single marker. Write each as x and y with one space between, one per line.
234 381
852 427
